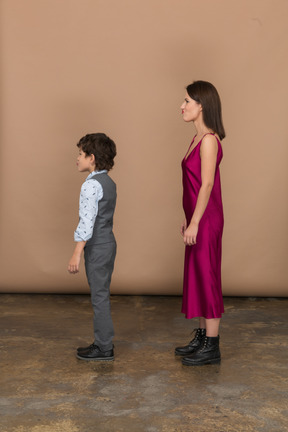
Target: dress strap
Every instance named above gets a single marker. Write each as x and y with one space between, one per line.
208 133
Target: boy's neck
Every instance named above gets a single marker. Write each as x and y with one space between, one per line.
92 169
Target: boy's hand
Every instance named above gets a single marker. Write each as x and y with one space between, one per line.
73 266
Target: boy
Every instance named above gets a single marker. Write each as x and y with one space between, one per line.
94 234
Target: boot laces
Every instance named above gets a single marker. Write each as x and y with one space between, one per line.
204 344
197 334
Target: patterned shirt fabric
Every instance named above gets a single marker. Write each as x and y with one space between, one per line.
91 193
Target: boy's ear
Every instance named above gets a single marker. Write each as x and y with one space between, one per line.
92 159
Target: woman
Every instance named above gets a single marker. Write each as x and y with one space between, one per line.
203 225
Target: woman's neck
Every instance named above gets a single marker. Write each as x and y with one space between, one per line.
201 129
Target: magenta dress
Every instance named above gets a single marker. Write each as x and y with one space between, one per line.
202 292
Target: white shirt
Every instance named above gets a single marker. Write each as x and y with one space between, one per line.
91 193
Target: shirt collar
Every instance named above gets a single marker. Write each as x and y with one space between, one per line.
96 172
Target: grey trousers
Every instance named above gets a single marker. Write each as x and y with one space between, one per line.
99 265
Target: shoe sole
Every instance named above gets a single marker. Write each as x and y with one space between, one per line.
213 361
95 359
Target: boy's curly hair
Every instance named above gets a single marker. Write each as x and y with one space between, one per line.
102 147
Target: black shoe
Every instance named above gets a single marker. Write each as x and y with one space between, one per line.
193 345
208 353
94 353
81 349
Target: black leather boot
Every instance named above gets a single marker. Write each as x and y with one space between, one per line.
208 353
193 345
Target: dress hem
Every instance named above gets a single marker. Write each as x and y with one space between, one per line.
202 316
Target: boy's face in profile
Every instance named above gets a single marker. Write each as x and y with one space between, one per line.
85 163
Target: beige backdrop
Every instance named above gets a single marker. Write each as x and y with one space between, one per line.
71 67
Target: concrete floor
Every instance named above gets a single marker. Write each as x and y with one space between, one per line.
44 388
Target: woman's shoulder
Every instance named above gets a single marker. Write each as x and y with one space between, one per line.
210 140
210 146
211 137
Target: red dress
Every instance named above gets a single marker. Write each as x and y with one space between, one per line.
202 292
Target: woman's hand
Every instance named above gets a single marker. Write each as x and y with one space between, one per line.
190 234
183 227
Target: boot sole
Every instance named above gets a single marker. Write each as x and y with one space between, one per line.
205 362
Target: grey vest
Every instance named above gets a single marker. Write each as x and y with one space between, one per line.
102 232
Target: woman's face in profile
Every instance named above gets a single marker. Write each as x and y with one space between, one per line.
190 109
